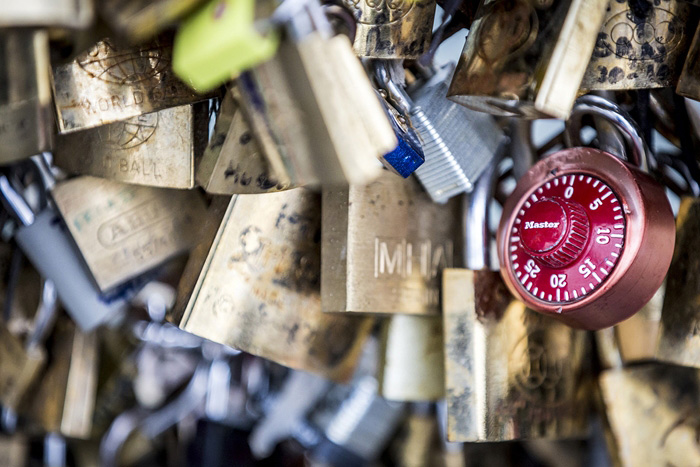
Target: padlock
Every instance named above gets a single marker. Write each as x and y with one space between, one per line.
408 155
256 288
22 362
44 239
510 373
679 335
139 20
292 103
649 411
392 29
156 149
64 398
526 59
222 39
640 45
688 85
412 362
459 143
25 112
109 83
47 13
14 450
233 162
384 245
585 237
123 230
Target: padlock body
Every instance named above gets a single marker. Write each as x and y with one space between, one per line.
595 232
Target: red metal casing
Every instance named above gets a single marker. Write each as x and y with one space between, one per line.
600 226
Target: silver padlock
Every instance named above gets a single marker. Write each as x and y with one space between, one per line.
76 14
45 240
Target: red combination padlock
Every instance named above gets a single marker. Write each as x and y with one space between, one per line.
586 237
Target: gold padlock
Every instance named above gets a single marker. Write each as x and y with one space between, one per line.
254 286
412 364
392 29
233 162
651 414
640 45
525 58
384 246
679 336
26 123
109 83
155 149
64 398
125 230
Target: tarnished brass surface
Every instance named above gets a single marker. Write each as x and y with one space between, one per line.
233 162
413 364
125 230
526 58
384 247
638 336
292 103
64 399
679 337
14 450
51 13
689 81
19 368
26 124
142 19
392 28
155 149
258 290
652 414
511 373
109 83
640 45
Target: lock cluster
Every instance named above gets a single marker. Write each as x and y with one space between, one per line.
323 233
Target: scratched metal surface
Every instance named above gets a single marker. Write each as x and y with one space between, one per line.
640 48
384 247
124 230
258 290
154 149
510 373
109 83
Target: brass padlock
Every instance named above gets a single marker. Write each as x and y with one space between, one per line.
392 29
412 363
510 373
525 58
679 336
293 103
233 162
155 149
688 84
123 231
64 398
14 450
384 246
254 286
640 45
651 415
26 125
109 83
139 20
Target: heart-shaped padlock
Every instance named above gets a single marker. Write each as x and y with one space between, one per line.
586 237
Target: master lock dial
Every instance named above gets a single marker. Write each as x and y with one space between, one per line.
586 238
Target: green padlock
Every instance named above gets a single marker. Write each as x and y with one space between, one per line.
222 39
